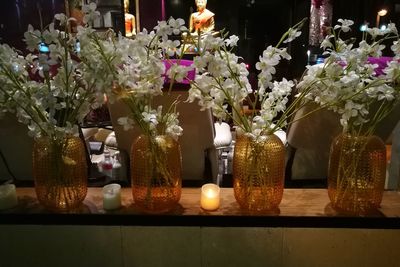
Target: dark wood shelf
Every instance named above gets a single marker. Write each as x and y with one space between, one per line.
299 208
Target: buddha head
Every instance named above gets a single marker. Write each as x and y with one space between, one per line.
126 6
201 5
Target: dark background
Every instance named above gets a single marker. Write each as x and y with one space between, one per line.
258 23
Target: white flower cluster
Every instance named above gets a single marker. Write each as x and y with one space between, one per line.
134 70
221 84
269 59
273 103
46 90
91 14
220 78
158 123
348 82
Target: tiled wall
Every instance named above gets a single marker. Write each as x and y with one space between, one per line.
116 246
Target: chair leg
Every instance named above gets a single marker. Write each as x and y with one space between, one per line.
220 167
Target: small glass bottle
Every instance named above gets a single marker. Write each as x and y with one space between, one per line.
107 164
116 172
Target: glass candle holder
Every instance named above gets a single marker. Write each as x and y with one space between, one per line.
210 197
112 197
8 196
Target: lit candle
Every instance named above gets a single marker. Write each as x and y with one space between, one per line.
111 196
8 196
210 197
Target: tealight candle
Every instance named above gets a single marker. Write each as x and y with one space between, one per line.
8 196
111 196
210 197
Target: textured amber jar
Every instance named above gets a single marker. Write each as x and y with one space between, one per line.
356 176
156 167
258 172
60 172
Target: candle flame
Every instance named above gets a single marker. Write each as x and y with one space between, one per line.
210 193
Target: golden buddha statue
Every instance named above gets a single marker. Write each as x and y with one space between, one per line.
130 25
202 20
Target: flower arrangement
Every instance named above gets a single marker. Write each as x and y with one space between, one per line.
134 71
222 84
47 90
363 93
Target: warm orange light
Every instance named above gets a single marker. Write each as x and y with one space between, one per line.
210 197
382 12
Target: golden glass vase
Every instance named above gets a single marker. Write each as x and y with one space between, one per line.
156 167
60 172
356 175
258 172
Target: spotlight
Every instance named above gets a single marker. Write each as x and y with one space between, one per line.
363 27
382 12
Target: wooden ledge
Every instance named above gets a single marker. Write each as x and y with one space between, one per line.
299 208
